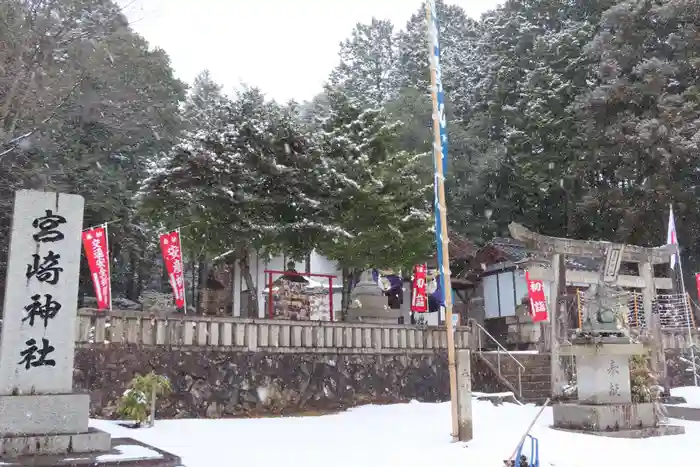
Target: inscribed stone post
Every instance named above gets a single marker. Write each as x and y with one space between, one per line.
464 395
604 379
41 298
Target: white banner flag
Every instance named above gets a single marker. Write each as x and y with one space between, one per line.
671 238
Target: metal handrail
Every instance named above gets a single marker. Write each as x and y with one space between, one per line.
497 343
498 354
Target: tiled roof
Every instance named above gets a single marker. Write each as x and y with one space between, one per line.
460 247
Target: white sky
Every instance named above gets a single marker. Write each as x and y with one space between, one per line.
287 48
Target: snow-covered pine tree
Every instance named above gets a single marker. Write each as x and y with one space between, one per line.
246 184
527 69
206 106
380 194
457 34
641 122
367 69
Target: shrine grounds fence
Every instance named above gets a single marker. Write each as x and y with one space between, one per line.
133 327
130 327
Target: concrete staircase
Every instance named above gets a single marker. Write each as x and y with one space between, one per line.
533 384
526 373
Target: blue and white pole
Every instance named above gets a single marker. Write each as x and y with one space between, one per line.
441 235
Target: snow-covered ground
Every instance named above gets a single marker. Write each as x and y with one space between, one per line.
404 435
691 394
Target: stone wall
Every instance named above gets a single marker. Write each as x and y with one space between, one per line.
224 383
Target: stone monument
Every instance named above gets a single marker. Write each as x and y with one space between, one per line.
602 349
603 346
554 250
42 419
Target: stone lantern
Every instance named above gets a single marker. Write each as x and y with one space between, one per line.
369 303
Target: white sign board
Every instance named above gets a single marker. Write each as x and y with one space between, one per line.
41 297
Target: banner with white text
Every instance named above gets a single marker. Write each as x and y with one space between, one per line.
538 302
97 254
172 255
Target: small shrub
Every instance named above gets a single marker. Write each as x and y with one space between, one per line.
135 403
156 302
642 381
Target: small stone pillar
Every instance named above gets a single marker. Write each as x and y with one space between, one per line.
464 394
604 405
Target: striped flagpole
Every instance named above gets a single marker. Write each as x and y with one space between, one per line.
672 238
109 264
441 233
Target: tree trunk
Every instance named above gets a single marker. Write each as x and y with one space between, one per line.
132 292
202 276
165 286
345 297
9 99
244 261
193 285
350 279
144 275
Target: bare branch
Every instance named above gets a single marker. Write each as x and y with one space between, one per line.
15 142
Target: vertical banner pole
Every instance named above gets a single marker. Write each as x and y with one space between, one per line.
441 232
685 295
689 309
270 303
182 259
330 296
109 265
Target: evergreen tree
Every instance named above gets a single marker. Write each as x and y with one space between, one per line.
205 107
640 123
85 105
380 194
528 68
247 184
367 69
457 35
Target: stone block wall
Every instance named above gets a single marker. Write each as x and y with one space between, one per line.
224 383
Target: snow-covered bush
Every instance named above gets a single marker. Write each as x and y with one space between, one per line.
134 403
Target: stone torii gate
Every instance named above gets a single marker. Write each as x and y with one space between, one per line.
612 255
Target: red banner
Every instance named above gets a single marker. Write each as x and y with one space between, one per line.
697 284
172 255
97 253
538 302
419 300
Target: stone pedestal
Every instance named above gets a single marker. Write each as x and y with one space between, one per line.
59 413
605 404
124 452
